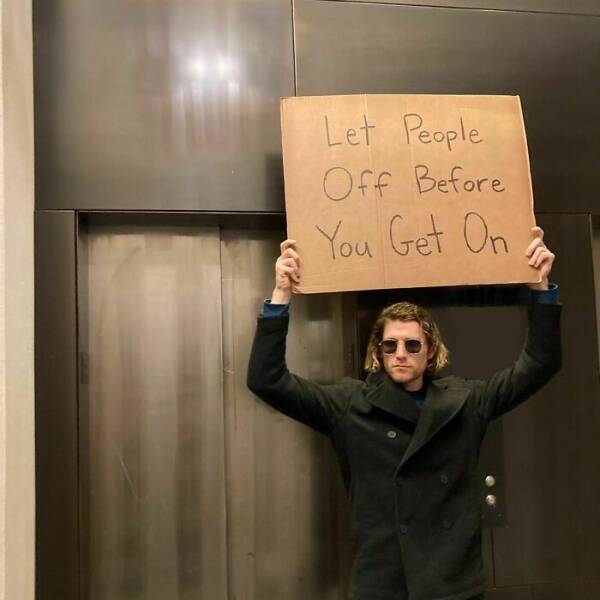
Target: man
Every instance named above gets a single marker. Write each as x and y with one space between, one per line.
407 441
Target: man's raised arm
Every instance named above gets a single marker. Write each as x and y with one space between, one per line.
315 405
540 358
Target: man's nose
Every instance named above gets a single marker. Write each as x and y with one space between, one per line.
400 350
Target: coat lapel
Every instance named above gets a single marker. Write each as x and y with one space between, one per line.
442 403
391 397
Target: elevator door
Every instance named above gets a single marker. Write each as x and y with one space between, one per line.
190 486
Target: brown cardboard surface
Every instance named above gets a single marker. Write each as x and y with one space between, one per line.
386 191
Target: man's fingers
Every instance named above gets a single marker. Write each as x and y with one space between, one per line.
537 243
546 258
289 262
289 253
538 232
286 244
540 257
291 272
533 261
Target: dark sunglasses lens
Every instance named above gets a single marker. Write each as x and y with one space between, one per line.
413 346
389 346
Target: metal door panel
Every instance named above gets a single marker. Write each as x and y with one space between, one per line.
152 415
285 495
192 487
550 60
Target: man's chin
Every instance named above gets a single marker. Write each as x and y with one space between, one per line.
401 376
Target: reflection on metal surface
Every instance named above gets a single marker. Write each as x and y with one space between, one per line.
192 487
490 481
161 104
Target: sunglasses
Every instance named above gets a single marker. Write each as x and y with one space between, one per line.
411 346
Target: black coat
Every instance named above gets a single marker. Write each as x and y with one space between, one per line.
412 475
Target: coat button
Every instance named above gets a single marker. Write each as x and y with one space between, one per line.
491 500
403 529
391 434
446 523
444 478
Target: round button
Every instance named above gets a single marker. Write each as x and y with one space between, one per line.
490 481
391 434
403 529
444 478
490 500
446 523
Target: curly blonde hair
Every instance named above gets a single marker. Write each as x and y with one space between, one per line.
406 311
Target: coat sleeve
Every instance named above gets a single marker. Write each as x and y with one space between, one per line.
318 406
539 360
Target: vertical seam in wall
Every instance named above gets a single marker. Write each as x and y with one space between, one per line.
228 562
77 396
295 66
595 277
3 392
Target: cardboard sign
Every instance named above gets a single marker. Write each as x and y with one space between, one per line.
387 191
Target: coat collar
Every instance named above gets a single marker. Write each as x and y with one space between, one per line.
391 397
442 403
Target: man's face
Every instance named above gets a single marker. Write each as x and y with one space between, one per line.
402 366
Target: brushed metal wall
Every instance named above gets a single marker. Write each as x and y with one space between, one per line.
191 487
160 104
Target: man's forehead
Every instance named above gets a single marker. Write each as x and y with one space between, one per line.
395 327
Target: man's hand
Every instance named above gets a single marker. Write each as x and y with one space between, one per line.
540 257
287 272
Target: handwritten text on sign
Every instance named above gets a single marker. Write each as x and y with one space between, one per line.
402 191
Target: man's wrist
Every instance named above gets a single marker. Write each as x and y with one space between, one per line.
549 296
540 286
280 296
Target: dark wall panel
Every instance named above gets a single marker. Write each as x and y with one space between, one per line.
552 447
161 104
570 591
57 506
550 60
